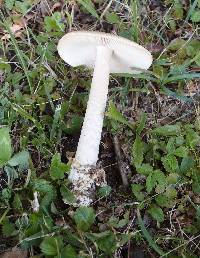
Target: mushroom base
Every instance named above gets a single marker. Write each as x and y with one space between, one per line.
84 180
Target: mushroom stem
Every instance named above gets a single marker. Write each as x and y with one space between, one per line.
88 146
84 175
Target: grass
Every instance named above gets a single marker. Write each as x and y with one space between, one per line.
155 117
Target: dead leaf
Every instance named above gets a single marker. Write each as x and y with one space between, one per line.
44 8
16 29
56 6
15 253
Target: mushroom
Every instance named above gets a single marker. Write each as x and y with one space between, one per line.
105 53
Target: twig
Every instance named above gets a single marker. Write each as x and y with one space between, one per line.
121 163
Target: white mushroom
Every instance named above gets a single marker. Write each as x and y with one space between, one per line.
105 53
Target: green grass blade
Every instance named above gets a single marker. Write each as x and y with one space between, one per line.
191 10
185 76
135 20
89 6
176 95
18 53
148 236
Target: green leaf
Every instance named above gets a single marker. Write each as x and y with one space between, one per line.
51 246
141 123
195 17
17 204
11 174
8 228
73 239
67 195
192 138
160 179
46 191
107 243
148 237
150 182
20 159
176 44
171 193
54 22
68 252
180 140
145 169
137 191
167 130
186 164
172 178
9 4
104 191
170 145
162 200
113 221
181 151
23 6
193 47
156 213
167 199
84 218
196 182
5 146
89 6
114 114
156 178
138 152
112 18
58 169
170 163
178 10
6 194
42 186
73 125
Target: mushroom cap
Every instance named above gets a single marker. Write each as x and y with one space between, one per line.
79 48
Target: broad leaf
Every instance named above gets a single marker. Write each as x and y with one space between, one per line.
20 159
186 164
145 169
150 182
156 213
67 195
108 243
176 44
5 146
9 4
167 130
46 191
181 151
51 246
137 191
192 138
68 252
104 191
141 123
8 228
84 218
58 169
170 163
138 152
195 17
